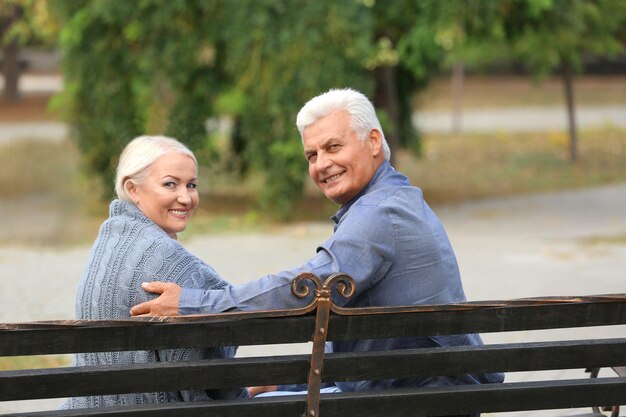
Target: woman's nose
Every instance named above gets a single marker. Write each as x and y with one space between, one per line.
184 196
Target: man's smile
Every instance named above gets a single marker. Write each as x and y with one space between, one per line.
333 177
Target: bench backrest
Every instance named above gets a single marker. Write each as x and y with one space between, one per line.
320 321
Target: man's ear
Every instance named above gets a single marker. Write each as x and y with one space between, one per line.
376 141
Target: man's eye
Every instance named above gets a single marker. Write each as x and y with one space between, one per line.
333 147
311 157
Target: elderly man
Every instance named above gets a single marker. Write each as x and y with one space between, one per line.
386 237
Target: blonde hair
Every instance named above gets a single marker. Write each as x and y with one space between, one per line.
139 155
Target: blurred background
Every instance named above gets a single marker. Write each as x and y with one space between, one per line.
509 114
477 98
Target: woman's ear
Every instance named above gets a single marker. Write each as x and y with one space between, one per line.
131 189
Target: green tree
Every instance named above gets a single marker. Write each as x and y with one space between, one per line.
453 35
137 67
171 66
553 36
280 54
548 36
22 22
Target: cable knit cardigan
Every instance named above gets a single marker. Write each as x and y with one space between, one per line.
129 250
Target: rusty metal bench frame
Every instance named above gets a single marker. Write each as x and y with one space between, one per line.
319 321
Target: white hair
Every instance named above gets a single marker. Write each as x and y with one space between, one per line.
139 155
360 109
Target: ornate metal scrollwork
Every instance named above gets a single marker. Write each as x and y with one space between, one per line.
346 287
344 284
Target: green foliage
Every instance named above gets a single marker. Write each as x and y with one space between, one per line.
550 36
281 54
547 35
133 68
244 68
284 177
100 69
28 22
162 66
22 23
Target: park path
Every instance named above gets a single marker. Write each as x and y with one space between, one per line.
523 119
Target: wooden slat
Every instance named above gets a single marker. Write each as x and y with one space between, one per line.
485 320
153 377
403 402
213 374
213 331
459 360
468 399
291 406
155 335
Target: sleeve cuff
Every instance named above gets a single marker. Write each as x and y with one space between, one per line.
190 301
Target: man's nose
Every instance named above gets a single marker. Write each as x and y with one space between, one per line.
322 162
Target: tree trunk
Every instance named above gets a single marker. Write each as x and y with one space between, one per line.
568 82
10 51
457 97
11 72
387 99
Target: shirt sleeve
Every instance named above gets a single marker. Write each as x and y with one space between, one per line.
269 292
362 247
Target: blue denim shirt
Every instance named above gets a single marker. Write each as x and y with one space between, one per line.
389 240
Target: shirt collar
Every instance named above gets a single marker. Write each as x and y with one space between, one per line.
385 174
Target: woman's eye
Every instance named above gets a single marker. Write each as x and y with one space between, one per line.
192 186
170 184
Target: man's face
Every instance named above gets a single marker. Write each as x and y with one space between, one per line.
339 162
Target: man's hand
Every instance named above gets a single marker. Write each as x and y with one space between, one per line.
165 305
254 391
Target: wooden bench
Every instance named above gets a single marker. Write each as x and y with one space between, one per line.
321 320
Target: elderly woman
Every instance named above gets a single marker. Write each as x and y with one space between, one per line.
156 188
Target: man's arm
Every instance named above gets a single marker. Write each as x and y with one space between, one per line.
266 293
164 305
362 248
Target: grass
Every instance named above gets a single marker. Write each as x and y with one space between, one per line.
453 169
514 91
46 198
28 167
605 240
11 363
476 166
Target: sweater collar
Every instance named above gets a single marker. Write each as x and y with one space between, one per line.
128 209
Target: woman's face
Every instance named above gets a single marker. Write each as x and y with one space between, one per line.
168 195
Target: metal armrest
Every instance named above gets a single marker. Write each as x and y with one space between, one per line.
620 371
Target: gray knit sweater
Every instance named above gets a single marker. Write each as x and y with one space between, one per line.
129 250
